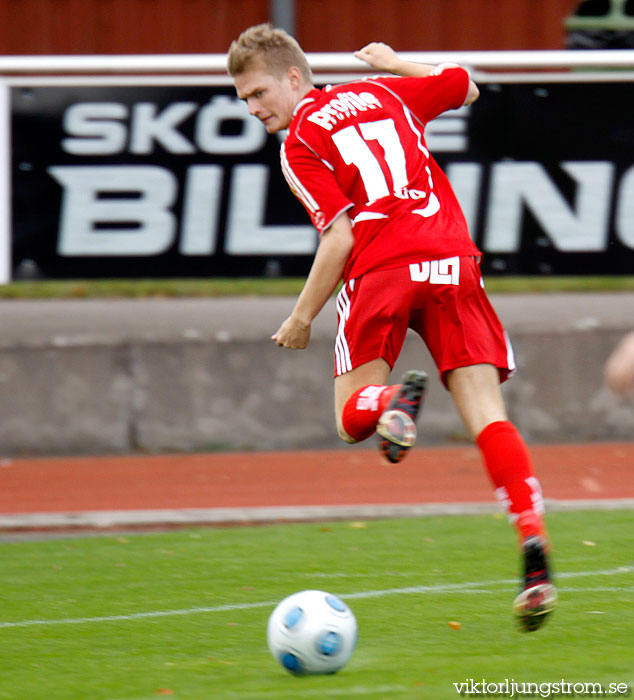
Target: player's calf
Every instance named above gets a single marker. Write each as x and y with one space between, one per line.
362 411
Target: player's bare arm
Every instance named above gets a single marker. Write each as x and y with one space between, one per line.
326 272
384 58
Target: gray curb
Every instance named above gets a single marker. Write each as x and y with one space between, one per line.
144 519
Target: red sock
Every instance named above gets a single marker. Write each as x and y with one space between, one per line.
363 409
509 465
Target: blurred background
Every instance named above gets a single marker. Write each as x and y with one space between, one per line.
208 26
120 167
149 247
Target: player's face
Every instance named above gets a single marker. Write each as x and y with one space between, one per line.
270 99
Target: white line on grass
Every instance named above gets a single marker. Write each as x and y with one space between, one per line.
363 690
471 587
596 589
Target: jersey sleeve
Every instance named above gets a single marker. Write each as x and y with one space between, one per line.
429 97
314 184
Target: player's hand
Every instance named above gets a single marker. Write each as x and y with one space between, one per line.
292 334
379 56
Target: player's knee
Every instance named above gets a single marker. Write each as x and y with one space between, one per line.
344 435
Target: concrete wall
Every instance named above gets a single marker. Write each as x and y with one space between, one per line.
153 375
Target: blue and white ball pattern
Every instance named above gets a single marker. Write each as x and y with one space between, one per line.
312 632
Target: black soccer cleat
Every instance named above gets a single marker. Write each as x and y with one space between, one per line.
397 425
538 597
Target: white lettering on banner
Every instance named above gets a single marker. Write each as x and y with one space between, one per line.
445 271
246 234
82 208
201 205
515 185
447 134
624 222
105 128
466 180
583 226
99 120
153 225
137 210
131 209
145 225
160 128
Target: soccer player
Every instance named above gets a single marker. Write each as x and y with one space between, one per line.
391 228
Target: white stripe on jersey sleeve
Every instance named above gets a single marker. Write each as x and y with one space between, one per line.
295 184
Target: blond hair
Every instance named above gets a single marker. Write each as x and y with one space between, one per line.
274 48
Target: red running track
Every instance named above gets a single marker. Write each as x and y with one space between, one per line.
335 477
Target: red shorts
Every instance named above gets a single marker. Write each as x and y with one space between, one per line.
442 300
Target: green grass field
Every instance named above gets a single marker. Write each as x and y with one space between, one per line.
285 286
183 614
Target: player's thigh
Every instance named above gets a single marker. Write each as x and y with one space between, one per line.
373 372
373 315
476 393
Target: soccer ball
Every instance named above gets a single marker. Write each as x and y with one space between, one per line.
311 633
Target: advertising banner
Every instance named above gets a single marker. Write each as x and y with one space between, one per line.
146 180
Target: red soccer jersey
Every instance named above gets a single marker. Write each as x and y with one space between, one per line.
360 148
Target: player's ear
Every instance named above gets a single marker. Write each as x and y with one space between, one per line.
294 76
